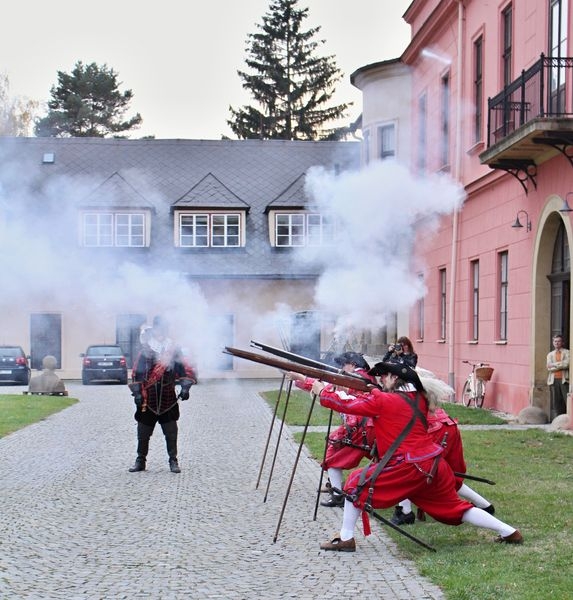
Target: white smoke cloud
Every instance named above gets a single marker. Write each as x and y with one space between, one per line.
363 277
42 270
369 273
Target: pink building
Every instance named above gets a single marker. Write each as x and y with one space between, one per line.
491 102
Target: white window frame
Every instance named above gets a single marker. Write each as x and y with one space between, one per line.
108 229
386 150
218 229
130 230
297 229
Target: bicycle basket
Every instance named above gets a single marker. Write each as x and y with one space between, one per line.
484 373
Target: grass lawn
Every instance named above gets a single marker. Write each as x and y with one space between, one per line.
19 410
533 471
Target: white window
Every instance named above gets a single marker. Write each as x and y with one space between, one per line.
303 229
114 229
290 229
386 141
202 230
225 230
129 230
320 230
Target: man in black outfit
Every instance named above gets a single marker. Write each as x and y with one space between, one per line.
158 368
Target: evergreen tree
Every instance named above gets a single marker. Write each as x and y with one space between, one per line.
87 103
290 85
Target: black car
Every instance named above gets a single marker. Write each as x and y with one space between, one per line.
105 362
14 366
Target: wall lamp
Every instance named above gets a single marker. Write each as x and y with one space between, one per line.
566 208
527 221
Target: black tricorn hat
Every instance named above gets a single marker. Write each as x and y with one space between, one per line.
353 358
401 370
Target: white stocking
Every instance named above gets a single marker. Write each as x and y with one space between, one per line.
406 506
335 476
351 514
479 518
472 496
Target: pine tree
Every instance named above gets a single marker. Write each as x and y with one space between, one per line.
290 85
87 103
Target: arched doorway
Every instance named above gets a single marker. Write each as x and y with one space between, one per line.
551 301
560 280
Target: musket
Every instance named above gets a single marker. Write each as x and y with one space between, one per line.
303 360
339 379
418 541
474 478
382 519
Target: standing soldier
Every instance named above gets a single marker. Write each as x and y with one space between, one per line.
156 371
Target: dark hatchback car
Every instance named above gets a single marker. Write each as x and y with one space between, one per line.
105 362
14 366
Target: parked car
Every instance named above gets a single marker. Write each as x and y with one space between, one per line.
105 362
14 365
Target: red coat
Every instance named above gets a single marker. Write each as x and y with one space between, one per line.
406 474
356 429
442 427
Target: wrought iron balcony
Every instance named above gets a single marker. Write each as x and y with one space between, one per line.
531 119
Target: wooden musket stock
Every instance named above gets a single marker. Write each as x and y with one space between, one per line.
348 381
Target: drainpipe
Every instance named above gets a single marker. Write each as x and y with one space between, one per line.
455 220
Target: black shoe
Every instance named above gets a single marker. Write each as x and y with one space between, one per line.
489 509
399 518
333 501
138 466
174 466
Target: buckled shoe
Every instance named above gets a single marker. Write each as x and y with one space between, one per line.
399 518
337 545
333 501
514 538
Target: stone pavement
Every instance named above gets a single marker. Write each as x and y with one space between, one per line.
75 524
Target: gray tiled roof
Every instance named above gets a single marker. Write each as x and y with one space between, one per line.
161 174
117 191
210 193
293 197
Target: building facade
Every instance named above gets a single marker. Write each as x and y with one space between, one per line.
491 104
100 235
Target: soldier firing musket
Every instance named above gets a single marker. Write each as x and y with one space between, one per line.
343 380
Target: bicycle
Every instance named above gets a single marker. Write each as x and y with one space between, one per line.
474 387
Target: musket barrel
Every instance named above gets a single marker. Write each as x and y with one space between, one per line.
303 360
343 380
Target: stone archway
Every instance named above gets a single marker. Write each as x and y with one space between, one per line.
550 221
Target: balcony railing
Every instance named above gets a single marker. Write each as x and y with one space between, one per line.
538 92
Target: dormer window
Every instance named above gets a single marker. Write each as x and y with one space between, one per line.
297 229
109 229
210 229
